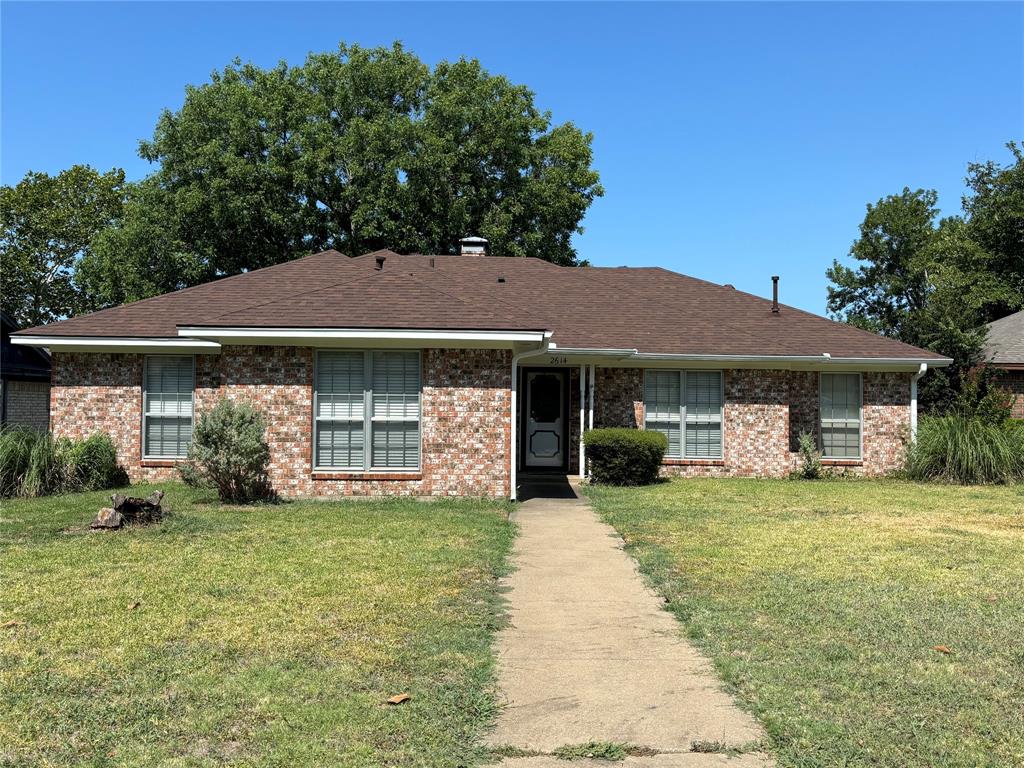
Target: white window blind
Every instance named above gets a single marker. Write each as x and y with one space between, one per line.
167 401
367 410
840 408
685 406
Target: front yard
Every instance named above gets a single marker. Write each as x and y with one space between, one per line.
823 603
261 636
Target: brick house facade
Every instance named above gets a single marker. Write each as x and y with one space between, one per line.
466 421
449 375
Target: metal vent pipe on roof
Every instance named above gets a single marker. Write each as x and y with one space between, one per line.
473 245
775 294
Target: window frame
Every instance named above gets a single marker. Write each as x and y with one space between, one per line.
147 415
860 416
368 419
683 420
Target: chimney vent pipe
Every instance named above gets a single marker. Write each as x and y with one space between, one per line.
775 294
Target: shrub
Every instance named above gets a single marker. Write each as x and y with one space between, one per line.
810 458
982 398
966 450
624 456
34 463
94 464
230 453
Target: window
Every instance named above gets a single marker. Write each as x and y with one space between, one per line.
168 382
367 410
685 406
840 406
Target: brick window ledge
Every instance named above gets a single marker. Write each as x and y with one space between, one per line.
693 462
367 475
161 462
842 462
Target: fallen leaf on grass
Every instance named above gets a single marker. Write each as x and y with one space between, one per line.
941 649
992 598
134 605
12 623
399 698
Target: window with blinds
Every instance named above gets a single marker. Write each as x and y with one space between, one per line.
367 410
167 387
685 406
840 406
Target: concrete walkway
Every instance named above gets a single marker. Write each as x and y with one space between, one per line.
590 655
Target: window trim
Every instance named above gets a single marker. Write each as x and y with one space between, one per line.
860 417
145 403
368 419
682 372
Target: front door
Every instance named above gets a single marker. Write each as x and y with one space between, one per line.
545 419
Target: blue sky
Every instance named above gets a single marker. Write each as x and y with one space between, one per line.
734 140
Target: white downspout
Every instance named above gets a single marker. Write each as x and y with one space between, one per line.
590 417
513 452
913 401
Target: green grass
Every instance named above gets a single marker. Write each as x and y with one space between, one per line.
262 636
821 603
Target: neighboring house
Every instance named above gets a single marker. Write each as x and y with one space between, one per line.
450 375
24 381
1004 349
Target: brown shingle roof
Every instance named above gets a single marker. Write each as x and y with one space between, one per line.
649 309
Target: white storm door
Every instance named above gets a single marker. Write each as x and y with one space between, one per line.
545 418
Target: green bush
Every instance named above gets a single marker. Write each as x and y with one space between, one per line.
967 451
624 456
230 453
94 464
34 463
810 458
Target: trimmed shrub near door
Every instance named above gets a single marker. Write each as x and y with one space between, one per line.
620 456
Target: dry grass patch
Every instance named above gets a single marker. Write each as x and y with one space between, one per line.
268 635
823 603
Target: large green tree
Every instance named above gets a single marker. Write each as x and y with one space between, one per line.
355 150
935 283
48 225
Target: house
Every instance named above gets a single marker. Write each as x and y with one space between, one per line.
1004 350
455 374
24 381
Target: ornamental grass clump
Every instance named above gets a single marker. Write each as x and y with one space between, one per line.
35 463
229 452
969 451
620 456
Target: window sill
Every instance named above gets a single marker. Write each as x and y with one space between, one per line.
842 462
319 475
161 462
693 462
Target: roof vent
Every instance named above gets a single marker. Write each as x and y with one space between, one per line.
501 279
473 245
775 294
380 263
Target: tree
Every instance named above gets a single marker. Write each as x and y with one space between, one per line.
355 150
48 224
936 283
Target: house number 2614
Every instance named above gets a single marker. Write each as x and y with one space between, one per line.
556 360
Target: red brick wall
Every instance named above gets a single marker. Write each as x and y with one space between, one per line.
765 411
465 422
1013 382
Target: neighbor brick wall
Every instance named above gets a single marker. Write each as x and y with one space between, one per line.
1013 382
27 404
465 422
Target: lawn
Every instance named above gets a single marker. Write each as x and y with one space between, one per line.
262 636
822 604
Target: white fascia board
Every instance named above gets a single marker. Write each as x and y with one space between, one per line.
815 362
296 335
118 344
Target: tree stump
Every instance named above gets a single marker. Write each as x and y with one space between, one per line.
129 510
